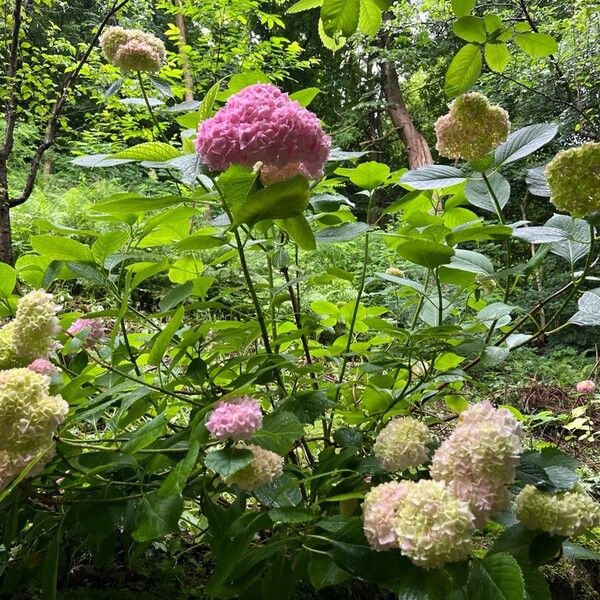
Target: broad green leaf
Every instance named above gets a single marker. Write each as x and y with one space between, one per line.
135 204
146 434
186 268
367 176
303 5
50 565
8 280
342 233
306 96
433 177
470 29
108 244
463 7
228 461
323 572
496 577
524 142
144 271
165 337
206 108
299 231
156 516
540 235
425 253
61 248
577 552
478 194
340 16
536 587
176 296
99 160
154 151
370 15
292 514
497 56
463 70
329 42
589 309
537 183
278 201
176 480
162 86
577 244
536 45
279 432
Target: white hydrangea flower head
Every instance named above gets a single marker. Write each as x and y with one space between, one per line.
433 527
264 468
566 514
29 416
379 511
479 459
402 444
30 335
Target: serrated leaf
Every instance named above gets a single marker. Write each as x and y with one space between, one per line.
306 96
540 235
537 183
303 5
156 516
463 7
577 244
228 461
8 280
496 577
154 151
341 233
589 309
470 29
367 175
292 514
433 177
340 16
279 432
165 337
425 253
61 248
524 142
463 71
99 160
478 193
536 45
497 56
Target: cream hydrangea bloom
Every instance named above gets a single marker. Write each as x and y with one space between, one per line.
472 128
265 467
432 526
30 335
478 461
567 514
29 416
574 179
133 49
402 444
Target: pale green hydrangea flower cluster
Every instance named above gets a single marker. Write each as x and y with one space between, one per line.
423 519
472 128
133 49
566 514
31 334
264 468
402 444
29 416
574 180
479 459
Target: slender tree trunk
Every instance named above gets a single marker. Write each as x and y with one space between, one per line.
188 80
6 250
416 145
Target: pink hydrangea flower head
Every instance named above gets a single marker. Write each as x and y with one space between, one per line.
95 328
586 387
472 128
237 420
379 510
478 461
261 124
42 366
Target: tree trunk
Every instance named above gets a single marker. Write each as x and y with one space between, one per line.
188 80
416 145
6 250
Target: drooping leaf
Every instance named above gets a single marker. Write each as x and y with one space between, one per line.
433 177
425 253
535 44
470 29
156 516
478 194
154 151
165 337
340 16
279 432
228 461
496 577
524 142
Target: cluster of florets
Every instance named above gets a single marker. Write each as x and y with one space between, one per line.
236 420
402 444
586 387
29 416
261 124
478 461
133 49
43 366
93 330
423 519
264 468
379 514
566 514
574 180
472 128
31 334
